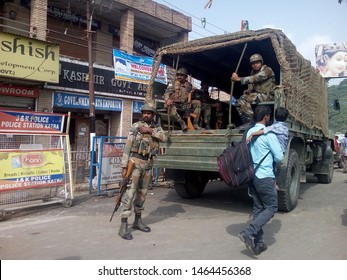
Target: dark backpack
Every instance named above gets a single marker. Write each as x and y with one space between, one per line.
235 164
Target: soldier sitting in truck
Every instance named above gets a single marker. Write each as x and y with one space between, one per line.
178 96
260 83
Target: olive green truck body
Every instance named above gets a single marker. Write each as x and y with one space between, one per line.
190 158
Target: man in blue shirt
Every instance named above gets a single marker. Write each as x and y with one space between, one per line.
262 189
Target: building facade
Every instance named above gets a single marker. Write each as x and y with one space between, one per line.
79 37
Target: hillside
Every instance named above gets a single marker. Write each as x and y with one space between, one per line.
338 121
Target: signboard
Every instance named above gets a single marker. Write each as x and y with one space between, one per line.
80 101
28 58
331 60
16 121
137 105
19 91
111 169
73 75
136 68
31 169
67 15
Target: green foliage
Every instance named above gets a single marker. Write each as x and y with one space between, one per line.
338 121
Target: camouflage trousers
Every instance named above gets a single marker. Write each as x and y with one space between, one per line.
245 102
136 192
206 109
195 108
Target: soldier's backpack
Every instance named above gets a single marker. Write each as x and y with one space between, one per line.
235 164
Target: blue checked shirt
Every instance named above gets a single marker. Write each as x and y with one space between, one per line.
281 130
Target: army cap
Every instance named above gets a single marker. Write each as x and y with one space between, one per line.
182 71
256 57
149 108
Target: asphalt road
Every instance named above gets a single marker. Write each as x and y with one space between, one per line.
199 229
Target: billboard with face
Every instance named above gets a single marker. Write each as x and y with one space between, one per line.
331 60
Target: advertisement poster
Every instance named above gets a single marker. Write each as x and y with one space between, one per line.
136 68
331 60
23 169
111 169
16 121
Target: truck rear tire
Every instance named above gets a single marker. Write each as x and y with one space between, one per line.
289 181
327 178
194 185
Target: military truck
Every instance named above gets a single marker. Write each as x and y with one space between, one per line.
190 158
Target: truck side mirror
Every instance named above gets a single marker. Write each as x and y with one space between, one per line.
336 105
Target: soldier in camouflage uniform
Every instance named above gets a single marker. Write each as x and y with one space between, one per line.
178 96
260 83
141 146
207 103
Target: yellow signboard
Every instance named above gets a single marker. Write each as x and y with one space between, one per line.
29 169
28 58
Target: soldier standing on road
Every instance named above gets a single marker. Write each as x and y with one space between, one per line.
260 83
178 96
141 146
262 188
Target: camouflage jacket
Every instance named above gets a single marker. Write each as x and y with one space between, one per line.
143 144
178 92
262 81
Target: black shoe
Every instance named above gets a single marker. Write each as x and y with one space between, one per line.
259 248
248 240
127 236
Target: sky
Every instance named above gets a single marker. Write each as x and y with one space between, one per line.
307 23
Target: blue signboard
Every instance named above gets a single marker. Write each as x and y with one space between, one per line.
80 101
137 105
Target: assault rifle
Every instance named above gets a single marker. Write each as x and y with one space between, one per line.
123 186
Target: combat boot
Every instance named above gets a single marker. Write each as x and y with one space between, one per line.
196 126
123 230
183 125
138 224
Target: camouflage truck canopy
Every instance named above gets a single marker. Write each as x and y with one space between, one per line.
215 58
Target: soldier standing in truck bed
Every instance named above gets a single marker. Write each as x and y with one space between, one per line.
207 103
178 96
260 83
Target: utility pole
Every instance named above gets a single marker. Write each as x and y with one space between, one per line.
91 82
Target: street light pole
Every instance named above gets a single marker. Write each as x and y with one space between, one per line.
91 82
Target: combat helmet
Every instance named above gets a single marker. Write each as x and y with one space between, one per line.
148 107
182 71
256 57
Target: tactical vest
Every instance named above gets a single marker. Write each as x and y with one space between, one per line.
143 144
180 91
265 87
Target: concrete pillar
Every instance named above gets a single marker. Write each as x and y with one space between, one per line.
127 31
38 19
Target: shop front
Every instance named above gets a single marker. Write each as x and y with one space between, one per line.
107 111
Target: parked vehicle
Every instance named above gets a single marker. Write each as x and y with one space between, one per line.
190 158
